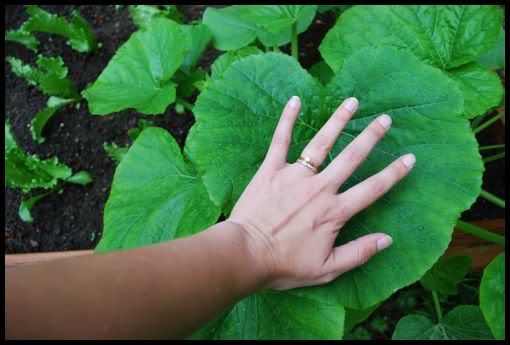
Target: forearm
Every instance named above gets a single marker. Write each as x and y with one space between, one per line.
165 290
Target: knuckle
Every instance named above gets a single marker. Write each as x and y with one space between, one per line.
363 255
327 278
281 139
376 130
377 188
322 143
353 155
337 215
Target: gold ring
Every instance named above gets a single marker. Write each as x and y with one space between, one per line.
307 162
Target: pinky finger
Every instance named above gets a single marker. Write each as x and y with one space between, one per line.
355 253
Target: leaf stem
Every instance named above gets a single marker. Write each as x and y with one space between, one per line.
478 120
185 104
492 198
494 157
294 42
490 147
480 232
488 123
437 306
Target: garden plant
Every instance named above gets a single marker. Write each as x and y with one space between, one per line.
436 70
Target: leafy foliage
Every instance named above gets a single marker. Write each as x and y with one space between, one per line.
78 32
464 322
23 37
492 296
154 174
26 207
444 36
143 14
43 116
28 171
234 27
116 152
50 75
495 58
237 114
446 274
356 316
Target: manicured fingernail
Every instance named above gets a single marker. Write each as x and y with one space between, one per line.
351 104
409 160
294 102
384 243
384 120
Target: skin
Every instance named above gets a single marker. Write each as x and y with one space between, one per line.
280 235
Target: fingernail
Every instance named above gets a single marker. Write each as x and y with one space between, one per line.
351 104
409 160
384 120
384 243
294 102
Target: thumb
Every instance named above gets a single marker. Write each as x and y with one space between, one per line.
355 253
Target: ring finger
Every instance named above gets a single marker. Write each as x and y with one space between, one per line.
320 145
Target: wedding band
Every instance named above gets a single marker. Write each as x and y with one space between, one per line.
307 162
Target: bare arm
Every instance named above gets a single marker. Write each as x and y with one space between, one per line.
280 235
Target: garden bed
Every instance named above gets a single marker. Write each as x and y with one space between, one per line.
73 219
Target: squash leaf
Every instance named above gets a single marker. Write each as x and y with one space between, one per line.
138 75
446 274
444 36
237 114
492 296
464 322
157 195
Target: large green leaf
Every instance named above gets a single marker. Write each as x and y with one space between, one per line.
446 274
357 316
234 27
492 296
464 322
225 60
495 58
199 37
229 31
237 114
156 196
444 36
279 315
142 15
138 75
480 87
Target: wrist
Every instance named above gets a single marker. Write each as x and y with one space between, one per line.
258 263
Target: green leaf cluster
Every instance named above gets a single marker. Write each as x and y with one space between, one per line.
464 322
29 172
142 15
236 115
451 38
234 27
145 71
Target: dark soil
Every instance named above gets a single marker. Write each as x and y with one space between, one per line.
73 219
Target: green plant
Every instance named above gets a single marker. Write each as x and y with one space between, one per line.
78 32
234 27
492 296
50 76
115 152
145 70
142 15
28 172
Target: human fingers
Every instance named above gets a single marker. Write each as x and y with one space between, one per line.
339 170
276 156
320 145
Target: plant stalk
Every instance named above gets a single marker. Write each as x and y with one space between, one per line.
492 198
294 42
478 120
480 232
494 157
185 104
491 147
488 123
437 306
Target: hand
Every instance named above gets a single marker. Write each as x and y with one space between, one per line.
292 215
